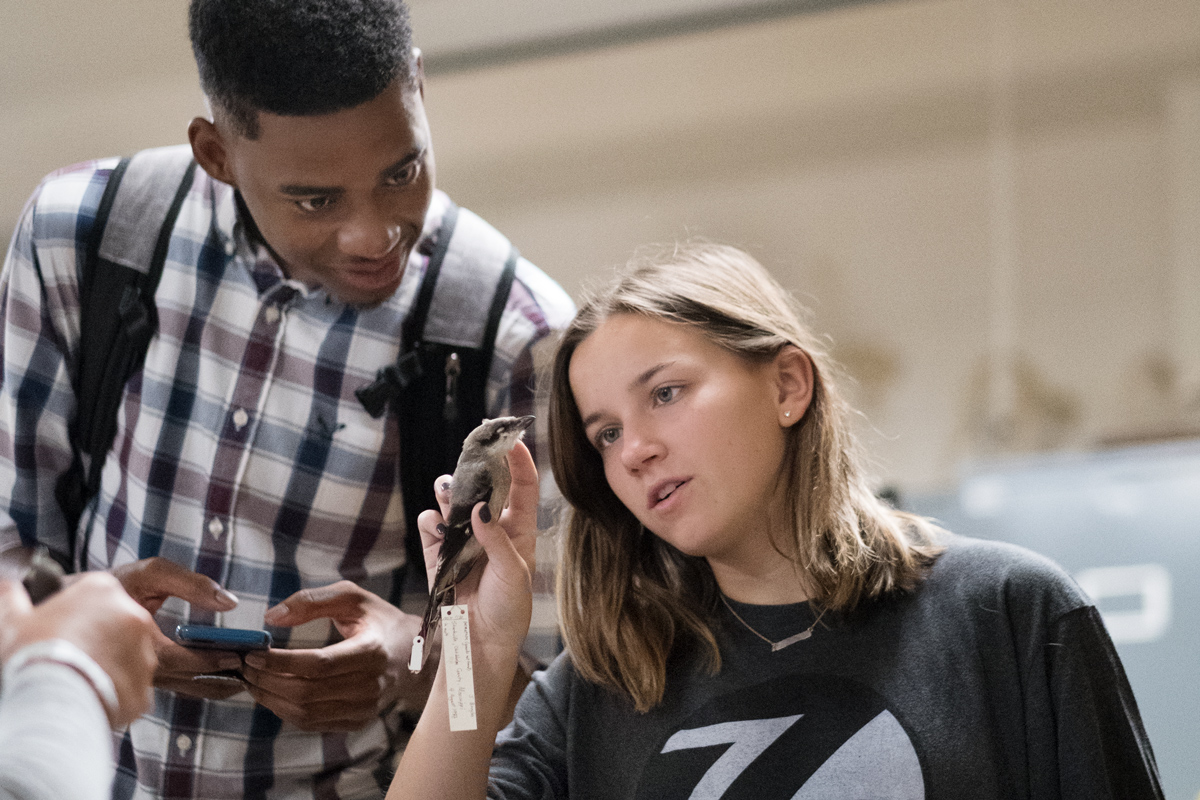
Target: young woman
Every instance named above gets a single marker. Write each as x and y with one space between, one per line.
742 616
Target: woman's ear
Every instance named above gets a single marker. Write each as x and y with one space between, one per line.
794 381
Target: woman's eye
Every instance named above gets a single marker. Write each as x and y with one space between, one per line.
314 203
665 394
606 437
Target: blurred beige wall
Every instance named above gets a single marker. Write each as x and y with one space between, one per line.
1001 271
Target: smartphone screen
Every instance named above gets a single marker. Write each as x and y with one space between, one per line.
206 637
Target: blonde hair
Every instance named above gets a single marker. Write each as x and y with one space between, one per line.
628 599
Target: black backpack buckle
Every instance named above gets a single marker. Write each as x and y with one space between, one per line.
389 383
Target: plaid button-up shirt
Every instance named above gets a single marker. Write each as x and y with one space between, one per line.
241 452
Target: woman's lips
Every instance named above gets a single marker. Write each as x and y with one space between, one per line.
663 493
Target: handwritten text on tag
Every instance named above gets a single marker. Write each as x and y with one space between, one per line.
460 678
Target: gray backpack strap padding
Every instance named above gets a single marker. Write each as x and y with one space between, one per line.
142 203
126 249
468 283
438 386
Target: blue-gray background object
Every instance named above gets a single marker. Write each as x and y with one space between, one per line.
1126 525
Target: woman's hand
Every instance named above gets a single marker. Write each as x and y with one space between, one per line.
500 595
438 763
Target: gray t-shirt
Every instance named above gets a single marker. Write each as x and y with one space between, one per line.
995 679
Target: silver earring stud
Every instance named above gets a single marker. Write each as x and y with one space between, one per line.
787 414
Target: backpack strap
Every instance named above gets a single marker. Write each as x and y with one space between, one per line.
119 274
438 384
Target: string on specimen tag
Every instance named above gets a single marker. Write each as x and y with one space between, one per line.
460 675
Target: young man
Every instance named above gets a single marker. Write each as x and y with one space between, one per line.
247 485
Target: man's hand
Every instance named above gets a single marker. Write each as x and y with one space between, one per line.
150 582
344 686
95 615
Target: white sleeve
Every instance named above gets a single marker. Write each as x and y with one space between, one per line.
55 742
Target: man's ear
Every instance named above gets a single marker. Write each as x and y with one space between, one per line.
794 382
210 151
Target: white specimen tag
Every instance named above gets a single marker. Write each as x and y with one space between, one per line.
417 657
460 674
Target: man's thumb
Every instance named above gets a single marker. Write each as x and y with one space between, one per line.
323 602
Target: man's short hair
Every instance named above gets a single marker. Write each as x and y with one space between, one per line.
297 57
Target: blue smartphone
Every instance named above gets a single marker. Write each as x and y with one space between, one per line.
206 637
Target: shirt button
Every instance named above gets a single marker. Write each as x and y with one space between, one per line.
240 418
184 743
272 314
216 527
